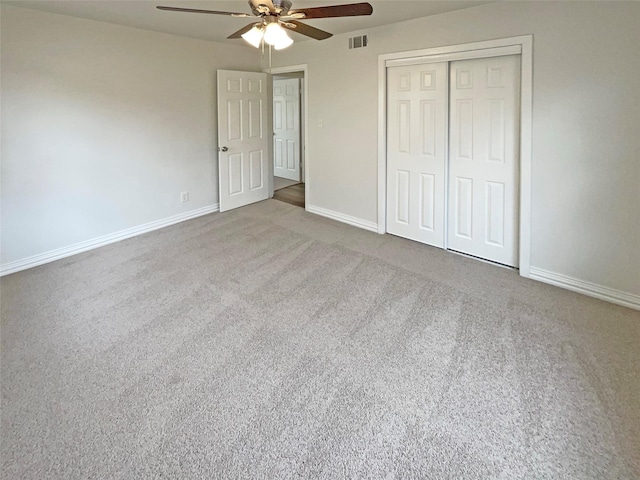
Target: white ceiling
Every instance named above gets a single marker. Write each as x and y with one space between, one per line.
143 14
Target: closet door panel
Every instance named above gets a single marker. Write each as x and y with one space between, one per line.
483 161
416 151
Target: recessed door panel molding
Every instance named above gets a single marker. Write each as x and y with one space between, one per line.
234 120
404 126
463 207
256 167
428 127
255 86
494 204
234 85
403 191
416 151
496 131
292 147
428 80
291 114
286 128
484 127
279 153
464 78
404 82
277 114
463 133
243 143
235 173
427 201
255 118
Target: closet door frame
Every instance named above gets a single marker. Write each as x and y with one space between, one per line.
523 46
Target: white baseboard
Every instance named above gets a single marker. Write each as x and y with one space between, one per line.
586 288
59 253
341 217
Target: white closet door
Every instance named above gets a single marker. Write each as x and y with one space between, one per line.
416 151
286 128
483 158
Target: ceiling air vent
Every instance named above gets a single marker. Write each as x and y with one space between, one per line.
358 42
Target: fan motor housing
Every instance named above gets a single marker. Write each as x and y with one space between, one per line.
282 7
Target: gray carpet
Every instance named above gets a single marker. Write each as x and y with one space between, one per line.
267 342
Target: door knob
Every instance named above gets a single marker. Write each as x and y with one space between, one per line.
223 149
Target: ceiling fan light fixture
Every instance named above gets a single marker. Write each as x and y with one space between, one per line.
254 36
274 34
284 42
274 16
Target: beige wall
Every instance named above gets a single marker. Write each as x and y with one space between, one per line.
102 127
586 125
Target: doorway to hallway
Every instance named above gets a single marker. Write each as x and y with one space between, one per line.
289 134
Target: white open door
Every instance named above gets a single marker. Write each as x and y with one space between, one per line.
243 139
286 128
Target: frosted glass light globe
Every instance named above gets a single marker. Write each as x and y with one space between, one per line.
253 36
274 34
284 42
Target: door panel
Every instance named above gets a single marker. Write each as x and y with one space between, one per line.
416 151
256 164
463 199
403 198
286 127
427 201
483 158
242 129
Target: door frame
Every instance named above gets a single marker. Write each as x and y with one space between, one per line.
304 68
522 45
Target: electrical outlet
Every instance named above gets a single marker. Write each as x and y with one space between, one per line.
184 197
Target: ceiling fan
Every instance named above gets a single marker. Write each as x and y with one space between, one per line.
277 16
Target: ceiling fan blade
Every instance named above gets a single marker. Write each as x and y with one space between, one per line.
191 10
349 10
306 30
242 31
